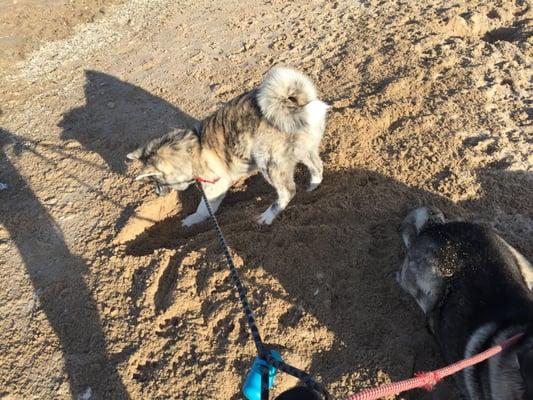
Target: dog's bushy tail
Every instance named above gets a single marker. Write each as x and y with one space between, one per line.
288 100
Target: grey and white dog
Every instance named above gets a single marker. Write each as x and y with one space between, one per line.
476 291
269 129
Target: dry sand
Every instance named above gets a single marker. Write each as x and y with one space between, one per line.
105 296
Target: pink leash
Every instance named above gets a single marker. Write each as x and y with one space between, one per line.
428 380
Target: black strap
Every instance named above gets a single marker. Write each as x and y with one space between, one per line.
264 382
261 350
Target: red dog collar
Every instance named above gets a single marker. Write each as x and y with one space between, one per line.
202 180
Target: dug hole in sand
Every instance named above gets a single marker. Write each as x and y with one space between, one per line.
148 214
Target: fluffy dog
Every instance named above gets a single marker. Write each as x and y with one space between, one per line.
269 129
476 291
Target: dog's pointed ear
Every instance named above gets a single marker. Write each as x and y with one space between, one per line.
525 360
135 155
415 222
148 172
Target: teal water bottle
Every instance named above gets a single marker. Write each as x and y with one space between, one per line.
252 384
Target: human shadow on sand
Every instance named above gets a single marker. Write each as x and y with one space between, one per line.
58 275
335 251
117 118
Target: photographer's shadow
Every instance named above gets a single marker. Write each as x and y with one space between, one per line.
118 117
58 278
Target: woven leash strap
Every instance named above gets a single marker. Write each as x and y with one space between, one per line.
250 319
303 376
261 350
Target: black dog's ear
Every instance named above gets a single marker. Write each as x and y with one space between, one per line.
299 393
525 360
417 220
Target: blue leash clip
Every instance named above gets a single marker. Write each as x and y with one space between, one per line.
252 384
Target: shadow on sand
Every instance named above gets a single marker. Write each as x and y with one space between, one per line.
58 275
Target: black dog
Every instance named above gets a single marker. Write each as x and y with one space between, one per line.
476 291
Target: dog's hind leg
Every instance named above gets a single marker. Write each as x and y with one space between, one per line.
215 193
283 181
314 164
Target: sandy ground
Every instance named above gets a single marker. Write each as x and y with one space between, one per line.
105 296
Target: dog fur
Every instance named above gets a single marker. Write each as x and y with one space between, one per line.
269 129
475 290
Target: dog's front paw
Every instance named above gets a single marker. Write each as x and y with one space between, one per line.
312 186
267 217
193 219
316 180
